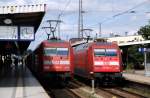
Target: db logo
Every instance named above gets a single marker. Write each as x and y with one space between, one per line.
55 62
106 63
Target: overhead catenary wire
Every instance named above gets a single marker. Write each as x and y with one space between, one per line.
127 11
121 13
62 12
57 21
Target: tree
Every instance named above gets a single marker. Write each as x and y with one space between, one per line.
135 58
145 31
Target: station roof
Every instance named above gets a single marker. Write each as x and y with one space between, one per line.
25 15
27 19
28 15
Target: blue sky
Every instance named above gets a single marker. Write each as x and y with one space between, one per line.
95 12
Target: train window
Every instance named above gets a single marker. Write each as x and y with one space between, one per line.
62 51
99 52
50 51
111 52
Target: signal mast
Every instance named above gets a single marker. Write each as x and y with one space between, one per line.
80 20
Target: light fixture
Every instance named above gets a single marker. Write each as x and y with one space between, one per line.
7 21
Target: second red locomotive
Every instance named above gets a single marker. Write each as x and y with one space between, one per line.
99 60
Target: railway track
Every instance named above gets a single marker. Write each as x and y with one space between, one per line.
120 93
115 92
63 93
59 90
77 89
140 88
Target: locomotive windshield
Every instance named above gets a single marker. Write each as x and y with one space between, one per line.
105 52
62 51
111 52
55 51
99 52
50 51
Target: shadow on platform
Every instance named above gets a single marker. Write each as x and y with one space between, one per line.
21 77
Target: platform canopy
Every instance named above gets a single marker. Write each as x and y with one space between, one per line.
18 25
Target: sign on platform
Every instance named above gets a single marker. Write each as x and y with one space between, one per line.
142 49
26 33
17 33
9 32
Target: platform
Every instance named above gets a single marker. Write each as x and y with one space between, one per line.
20 84
137 76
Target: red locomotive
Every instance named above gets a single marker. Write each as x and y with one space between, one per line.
53 58
99 60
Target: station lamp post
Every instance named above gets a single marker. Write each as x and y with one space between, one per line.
100 24
100 29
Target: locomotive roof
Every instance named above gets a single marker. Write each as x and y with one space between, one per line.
50 41
104 43
86 45
54 41
98 43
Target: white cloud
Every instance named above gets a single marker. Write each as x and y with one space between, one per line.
132 32
69 30
21 2
13 2
119 30
148 15
56 6
134 18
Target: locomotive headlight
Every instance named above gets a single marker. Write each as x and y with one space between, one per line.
65 62
98 63
91 72
113 63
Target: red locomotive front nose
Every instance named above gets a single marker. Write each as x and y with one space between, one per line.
57 59
106 60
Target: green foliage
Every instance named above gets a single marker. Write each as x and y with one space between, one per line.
133 52
129 67
145 31
135 58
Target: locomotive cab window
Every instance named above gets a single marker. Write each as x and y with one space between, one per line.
50 51
111 52
55 51
62 51
99 52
